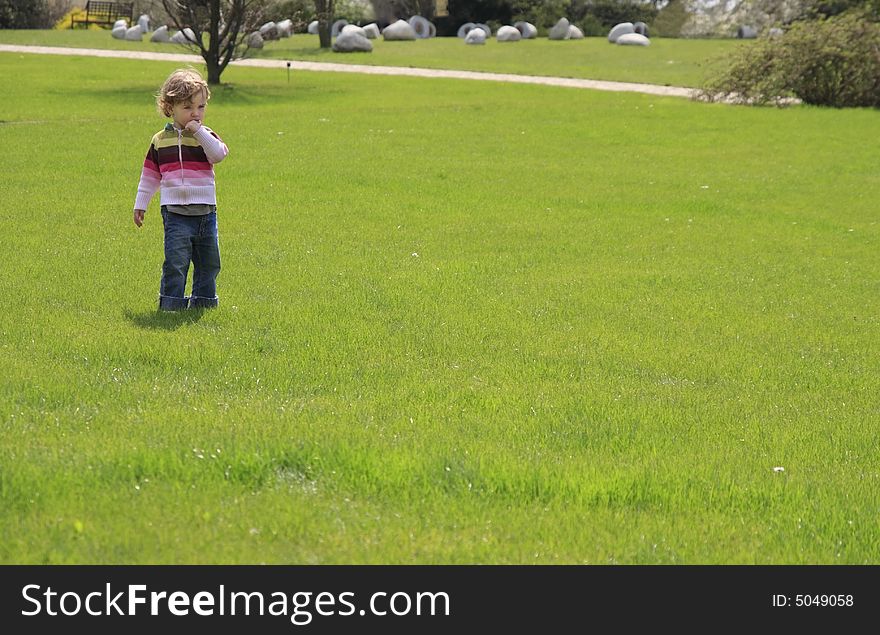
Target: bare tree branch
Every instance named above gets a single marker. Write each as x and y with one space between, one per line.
224 24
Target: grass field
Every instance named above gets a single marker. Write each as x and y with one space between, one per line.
667 61
459 322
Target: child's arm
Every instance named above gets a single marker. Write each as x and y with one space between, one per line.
149 183
213 146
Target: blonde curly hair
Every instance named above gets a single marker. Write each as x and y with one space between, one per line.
180 86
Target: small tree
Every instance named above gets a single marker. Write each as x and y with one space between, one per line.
225 24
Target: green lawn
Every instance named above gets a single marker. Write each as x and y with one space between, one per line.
667 61
460 322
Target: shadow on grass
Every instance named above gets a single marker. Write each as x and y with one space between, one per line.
164 320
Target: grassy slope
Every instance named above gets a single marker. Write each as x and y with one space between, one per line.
666 61
459 323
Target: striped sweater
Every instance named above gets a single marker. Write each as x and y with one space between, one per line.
181 163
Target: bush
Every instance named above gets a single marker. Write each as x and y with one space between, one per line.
610 12
299 12
595 17
24 14
671 18
833 62
591 27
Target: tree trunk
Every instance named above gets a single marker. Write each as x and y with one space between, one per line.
324 9
212 59
213 72
324 34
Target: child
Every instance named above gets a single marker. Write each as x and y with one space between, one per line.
180 163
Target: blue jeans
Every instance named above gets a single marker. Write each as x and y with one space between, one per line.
189 239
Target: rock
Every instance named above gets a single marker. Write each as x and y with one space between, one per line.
641 28
255 40
775 32
633 39
134 34
336 28
120 23
559 30
485 28
465 28
400 31
352 28
144 23
352 41
422 27
184 37
118 32
508 34
527 29
620 29
269 31
575 33
313 27
475 36
372 30
160 35
747 33
284 28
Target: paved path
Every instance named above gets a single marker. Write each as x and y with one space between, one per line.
650 89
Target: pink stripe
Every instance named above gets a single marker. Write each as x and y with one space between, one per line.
198 174
197 166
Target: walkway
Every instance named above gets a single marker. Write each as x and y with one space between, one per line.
591 84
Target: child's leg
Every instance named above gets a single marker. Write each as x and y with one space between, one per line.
206 263
178 252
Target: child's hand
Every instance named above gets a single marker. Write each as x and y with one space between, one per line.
192 126
139 217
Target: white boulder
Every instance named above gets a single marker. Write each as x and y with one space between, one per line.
269 31
633 39
119 23
118 32
485 28
134 34
372 30
623 28
508 34
313 27
160 35
284 28
423 28
184 37
144 23
400 30
352 42
255 40
352 28
465 28
641 28
560 30
575 33
337 26
528 30
475 36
